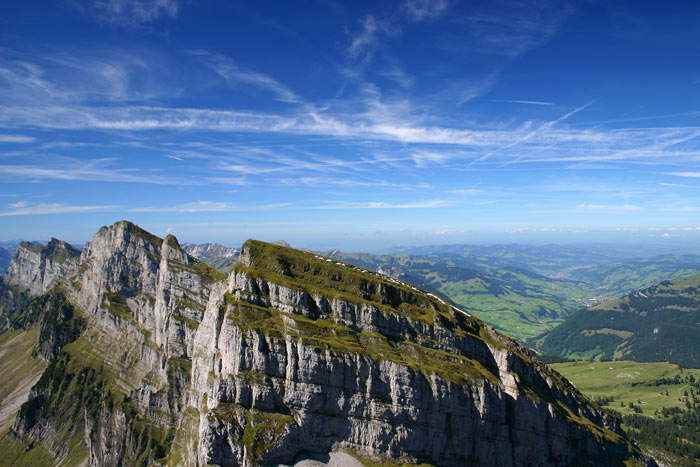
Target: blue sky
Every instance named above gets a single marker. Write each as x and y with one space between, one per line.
352 124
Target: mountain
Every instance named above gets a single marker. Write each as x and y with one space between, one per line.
37 267
618 279
215 255
545 260
5 258
156 358
659 323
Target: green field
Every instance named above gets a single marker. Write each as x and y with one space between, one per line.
631 382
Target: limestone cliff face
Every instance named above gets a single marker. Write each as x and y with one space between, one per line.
291 354
37 267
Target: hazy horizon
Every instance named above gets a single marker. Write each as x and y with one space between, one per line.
657 241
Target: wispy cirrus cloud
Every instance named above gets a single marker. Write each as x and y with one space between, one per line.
609 208
130 12
99 170
208 206
24 208
527 102
19 139
512 28
528 143
545 126
436 203
363 42
201 206
420 10
236 76
351 182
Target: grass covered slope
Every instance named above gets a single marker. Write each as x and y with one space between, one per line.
20 370
331 278
660 323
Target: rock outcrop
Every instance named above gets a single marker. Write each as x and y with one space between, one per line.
36 267
293 354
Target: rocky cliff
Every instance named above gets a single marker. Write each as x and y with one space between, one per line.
36 267
292 355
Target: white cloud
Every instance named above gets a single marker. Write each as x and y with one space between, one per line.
466 191
19 204
609 208
16 139
132 12
515 101
324 181
52 208
209 206
365 38
95 170
240 181
201 206
236 75
437 203
420 10
430 159
685 174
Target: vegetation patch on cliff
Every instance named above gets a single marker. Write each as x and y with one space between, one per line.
327 335
326 277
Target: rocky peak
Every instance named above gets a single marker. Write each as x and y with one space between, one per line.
37 267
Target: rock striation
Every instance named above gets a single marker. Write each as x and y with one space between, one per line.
292 354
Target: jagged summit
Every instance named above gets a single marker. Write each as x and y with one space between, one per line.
156 358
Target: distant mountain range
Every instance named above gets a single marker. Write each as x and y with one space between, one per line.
214 254
659 323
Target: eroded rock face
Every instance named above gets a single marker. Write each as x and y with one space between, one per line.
292 353
37 267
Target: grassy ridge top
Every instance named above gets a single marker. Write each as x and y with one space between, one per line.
332 278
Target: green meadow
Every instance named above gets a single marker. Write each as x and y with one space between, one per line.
648 386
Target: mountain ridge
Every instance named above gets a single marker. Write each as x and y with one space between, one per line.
291 352
658 323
